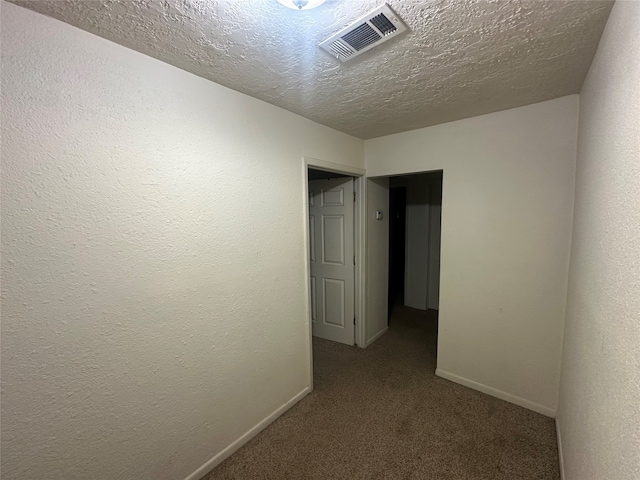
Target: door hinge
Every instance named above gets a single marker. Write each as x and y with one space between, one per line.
354 259
354 320
354 196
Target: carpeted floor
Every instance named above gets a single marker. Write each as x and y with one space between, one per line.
381 413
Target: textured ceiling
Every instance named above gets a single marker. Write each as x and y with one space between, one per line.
461 58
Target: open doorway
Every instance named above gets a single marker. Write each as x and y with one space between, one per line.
327 172
328 297
415 208
397 245
332 255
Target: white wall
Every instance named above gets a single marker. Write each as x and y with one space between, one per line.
506 230
435 214
599 412
377 258
154 305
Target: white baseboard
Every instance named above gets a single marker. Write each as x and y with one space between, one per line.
494 392
235 446
377 336
560 456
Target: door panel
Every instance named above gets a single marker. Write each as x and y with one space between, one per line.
333 239
334 307
331 236
333 197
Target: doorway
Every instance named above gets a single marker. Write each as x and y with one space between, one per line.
397 231
338 314
415 208
332 255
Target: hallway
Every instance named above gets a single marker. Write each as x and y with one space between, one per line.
381 413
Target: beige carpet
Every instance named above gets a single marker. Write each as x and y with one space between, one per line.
381 413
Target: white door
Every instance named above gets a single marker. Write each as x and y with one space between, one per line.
331 234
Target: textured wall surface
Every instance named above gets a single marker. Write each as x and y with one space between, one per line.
599 411
462 58
153 272
507 204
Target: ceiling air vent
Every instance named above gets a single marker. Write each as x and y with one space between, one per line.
367 32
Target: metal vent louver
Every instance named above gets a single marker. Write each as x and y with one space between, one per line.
364 34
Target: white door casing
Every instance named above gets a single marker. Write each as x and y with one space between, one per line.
331 253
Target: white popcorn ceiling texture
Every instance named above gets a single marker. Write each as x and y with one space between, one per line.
461 58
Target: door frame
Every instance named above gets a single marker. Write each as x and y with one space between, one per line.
360 239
